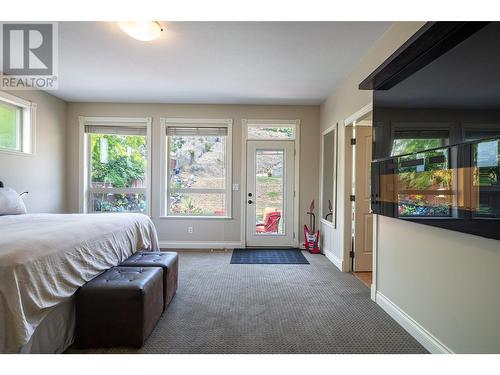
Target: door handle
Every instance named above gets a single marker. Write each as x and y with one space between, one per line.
250 202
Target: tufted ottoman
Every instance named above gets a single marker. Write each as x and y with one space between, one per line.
169 261
120 307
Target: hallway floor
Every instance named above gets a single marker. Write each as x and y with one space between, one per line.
364 277
251 308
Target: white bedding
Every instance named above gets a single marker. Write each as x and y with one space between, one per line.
45 258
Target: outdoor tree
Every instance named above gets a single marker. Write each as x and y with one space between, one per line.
118 160
8 128
408 146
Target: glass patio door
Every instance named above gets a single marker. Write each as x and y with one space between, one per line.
269 193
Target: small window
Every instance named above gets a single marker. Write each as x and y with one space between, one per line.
476 132
15 124
410 141
198 169
271 130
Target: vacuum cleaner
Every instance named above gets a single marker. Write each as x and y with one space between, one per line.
311 236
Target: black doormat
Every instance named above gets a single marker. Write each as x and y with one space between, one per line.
268 256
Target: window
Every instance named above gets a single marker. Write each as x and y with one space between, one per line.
486 179
476 132
117 162
271 130
485 169
16 124
409 141
198 167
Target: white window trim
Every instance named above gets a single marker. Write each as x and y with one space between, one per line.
244 134
84 153
28 113
166 122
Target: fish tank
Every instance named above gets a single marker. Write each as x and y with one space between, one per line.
426 185
455 187
436 129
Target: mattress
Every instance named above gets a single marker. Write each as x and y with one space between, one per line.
45 258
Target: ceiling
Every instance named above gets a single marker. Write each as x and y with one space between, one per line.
212 62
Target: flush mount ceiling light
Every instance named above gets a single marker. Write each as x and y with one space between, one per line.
145 30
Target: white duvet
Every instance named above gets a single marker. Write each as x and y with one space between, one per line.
45 258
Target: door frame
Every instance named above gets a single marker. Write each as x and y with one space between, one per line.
285 238
349 176
243 176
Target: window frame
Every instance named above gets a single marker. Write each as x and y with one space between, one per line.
85 155
27 119
166 122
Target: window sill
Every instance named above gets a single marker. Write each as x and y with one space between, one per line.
196 217
15 152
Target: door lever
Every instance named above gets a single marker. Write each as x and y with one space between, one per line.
250 202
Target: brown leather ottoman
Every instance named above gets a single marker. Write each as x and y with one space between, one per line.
169 261
119 307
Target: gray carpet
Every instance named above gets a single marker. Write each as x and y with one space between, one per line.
253 308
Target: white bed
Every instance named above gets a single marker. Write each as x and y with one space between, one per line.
45 258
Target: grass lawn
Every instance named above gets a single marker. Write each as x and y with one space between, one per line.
269 192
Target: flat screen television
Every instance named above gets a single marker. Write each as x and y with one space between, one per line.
436 129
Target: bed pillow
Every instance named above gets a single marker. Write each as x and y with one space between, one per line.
11 203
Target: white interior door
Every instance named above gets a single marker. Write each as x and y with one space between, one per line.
270 193
363 246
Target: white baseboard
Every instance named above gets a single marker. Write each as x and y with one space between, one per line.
424 337
336 261
200 244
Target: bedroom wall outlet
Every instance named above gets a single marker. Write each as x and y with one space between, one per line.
190 230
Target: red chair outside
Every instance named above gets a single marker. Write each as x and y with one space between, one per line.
271 223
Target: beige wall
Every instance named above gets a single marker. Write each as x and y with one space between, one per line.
341 104
42 173
446 282
208 230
